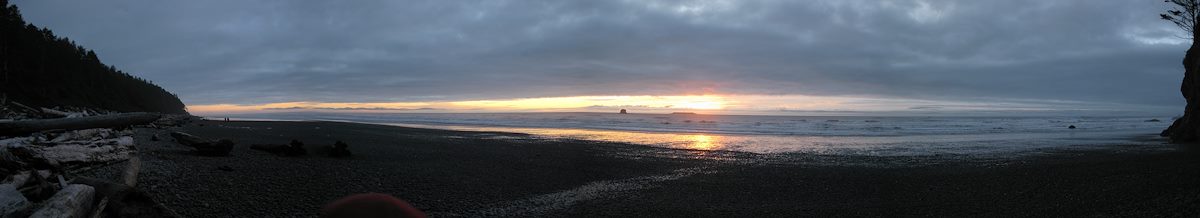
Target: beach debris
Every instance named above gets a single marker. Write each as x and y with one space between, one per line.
173 120
339 149
37 189
1071 127
73 201
203 146
102 148
11 200
52 149
294 148
18 179
8 161
39 159
109 192
24 127
123 199
59 113
11 110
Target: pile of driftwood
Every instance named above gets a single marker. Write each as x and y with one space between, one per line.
38 158
12 110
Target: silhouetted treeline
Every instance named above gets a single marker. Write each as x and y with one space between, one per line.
38 68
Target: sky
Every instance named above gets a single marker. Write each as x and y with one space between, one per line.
1091 57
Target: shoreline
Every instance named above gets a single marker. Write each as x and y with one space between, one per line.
462 173
989 144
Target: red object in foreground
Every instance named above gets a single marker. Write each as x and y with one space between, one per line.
370 205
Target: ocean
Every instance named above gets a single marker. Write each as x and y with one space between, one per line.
832 135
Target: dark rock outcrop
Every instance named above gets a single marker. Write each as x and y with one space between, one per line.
1186 129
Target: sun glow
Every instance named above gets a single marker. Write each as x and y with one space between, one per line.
703 105
703 102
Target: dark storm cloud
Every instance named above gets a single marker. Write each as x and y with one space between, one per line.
1113 51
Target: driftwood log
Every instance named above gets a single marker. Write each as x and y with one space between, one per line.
23 127
203 146
73 201
12 201
55 113
295 148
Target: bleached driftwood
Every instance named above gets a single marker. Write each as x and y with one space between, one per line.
44 174
68 114
21 127
19 179
130 179
131 171
56 113
11 200
99 211
73 201
103 150
204 146
83 135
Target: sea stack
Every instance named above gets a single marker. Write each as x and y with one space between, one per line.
623 111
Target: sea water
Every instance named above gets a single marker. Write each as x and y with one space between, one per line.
855 135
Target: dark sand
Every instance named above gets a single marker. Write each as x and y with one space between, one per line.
452 173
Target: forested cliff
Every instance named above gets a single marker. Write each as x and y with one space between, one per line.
40 69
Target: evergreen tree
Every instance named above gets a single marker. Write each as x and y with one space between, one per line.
41 69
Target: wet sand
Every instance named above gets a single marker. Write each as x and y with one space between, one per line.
454 173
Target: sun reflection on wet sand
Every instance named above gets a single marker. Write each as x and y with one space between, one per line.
689 141
700 142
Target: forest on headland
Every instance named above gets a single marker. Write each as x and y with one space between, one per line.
40 69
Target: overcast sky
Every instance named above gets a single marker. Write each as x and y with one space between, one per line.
253 52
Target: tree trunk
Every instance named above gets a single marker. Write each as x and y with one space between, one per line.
21 127
1186 129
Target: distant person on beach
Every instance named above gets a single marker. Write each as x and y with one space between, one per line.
370 205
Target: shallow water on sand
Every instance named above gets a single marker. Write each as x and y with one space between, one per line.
875 136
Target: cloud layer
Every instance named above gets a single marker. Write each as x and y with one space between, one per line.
253 52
